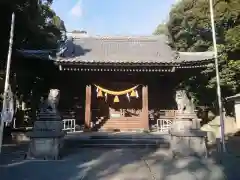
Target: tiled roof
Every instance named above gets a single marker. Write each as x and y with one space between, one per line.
195 56
236 96
37 54
143 49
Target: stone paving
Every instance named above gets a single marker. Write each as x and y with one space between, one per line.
109 164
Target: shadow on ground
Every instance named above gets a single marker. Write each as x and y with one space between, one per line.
107 164
230 161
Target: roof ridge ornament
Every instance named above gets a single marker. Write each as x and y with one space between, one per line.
176 55
66 47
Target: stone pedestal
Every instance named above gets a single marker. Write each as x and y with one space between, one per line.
186 137
188 143
46 137
47 146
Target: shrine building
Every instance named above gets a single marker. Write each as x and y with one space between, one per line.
122 83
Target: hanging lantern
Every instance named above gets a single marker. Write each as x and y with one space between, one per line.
116 99
99 93
133 94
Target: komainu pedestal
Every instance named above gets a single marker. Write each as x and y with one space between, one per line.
186 137
46 139
187 141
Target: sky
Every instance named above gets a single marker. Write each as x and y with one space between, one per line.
113 17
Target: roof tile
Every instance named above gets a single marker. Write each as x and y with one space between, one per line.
119 49
135 49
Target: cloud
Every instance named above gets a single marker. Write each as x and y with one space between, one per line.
76 10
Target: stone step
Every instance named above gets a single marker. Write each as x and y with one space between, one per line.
126 121
115 143
156 146
116 136
119 141
120 124
133 137
121 129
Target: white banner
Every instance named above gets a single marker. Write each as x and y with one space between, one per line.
8 107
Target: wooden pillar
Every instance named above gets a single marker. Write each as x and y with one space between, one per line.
88 107
145 121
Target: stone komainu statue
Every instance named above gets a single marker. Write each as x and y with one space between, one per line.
51 103
184 102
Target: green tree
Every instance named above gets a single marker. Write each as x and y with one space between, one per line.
79 31
36 27
161 29
189 29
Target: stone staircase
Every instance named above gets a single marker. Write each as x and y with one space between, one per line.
118 125
118 141
123 124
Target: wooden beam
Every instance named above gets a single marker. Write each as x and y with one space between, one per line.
145 121
88 107
95 69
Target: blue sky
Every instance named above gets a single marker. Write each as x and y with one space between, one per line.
113 17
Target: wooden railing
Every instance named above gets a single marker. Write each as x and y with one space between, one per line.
69 125
163 125
168 114
163 119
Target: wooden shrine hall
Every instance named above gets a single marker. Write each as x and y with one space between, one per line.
115 83
118 81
